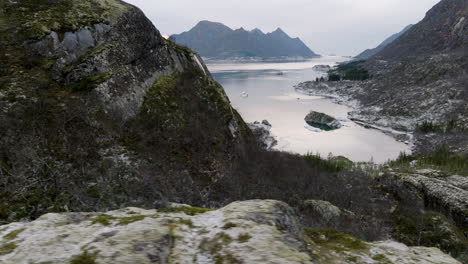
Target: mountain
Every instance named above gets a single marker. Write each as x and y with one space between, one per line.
370 52
215 40
444 30
97 108
99 112
421 77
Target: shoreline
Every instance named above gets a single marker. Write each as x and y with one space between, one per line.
399 135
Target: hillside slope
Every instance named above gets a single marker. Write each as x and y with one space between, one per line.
427 65
215 40
444 30
97 109
371 52
422 77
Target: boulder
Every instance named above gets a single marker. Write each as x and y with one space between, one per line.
257 231
322 121
262 131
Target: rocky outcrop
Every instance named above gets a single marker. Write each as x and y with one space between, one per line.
441 201
262 131
95 103
434 190
322 121
217 41
257 231
128 57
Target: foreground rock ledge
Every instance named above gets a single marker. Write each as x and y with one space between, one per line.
258 231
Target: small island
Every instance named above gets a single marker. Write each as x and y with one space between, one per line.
322 121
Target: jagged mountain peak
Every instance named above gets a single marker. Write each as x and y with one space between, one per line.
215 40
257 31
279 31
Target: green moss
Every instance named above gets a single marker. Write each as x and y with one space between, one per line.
7 248
13 234
226 259
229 225
131 219
381 259
35 19
244 237
186 210
90 54
158 103
352 259
214 245
334 240
85 258
103 219
88 83
187 222
180 49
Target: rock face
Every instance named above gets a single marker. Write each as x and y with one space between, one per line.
217 41
447 194
442 204
322 121
257 231
94 102
371 52
262 131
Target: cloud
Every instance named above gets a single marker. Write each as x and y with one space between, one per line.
343 27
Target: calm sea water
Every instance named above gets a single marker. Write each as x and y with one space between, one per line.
271 96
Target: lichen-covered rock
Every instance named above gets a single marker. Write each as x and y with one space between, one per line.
258 231
322 121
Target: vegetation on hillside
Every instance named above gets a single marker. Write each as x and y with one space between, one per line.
448 127
353 71
442 159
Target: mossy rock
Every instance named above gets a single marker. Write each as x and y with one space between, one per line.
13 234
85 258
332 239
7 248
89 83
34 19
186 210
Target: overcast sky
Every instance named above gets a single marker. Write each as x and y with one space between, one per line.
344 27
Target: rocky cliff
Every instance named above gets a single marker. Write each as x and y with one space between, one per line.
215 40
97 109
258 231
